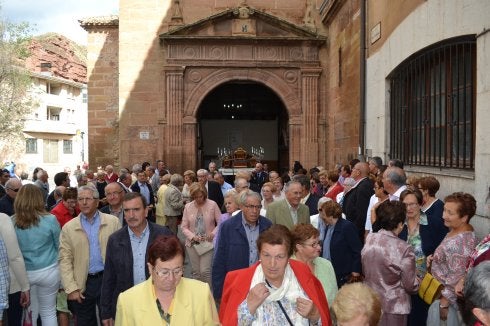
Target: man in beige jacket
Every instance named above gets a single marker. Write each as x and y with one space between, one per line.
83 243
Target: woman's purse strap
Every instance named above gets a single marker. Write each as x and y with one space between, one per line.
284 312
280 306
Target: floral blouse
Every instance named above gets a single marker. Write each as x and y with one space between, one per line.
450 261
415 240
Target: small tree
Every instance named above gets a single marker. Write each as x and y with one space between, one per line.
15 102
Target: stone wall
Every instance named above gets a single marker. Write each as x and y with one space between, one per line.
103 103
342 94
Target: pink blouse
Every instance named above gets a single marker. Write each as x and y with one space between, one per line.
450 261
211 215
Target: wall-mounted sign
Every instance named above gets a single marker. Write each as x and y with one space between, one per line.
376 33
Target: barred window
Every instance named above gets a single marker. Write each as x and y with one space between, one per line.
31 145
67 146
432 106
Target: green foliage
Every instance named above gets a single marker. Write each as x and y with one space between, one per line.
15 103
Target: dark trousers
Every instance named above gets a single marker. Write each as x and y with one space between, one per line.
85 312
14 312
172 222
419 312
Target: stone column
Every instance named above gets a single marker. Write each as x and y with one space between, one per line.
310 94
173 143
189 150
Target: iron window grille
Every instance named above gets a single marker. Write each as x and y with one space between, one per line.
432 106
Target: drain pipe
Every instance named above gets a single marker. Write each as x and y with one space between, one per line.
362 86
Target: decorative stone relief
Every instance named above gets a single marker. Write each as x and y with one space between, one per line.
195 76
202 52
190 53
291 76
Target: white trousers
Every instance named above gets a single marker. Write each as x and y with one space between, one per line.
44 287
453 316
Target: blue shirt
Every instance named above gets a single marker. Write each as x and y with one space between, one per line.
225 187
95 263
145 191
39 243
4 278
252 232
138 247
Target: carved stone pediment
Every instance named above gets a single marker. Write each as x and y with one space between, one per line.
242 22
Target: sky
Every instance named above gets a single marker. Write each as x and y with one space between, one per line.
59 16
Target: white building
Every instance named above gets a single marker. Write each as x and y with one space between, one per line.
428 95
56 129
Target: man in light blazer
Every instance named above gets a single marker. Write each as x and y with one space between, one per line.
81 257
122 271
289 211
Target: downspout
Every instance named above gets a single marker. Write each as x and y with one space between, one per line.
362 88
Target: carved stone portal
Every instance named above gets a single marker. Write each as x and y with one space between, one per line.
252 46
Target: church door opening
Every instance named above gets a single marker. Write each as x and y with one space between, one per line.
247 115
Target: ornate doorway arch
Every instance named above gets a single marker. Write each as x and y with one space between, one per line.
197 61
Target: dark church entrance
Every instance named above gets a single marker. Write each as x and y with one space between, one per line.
243 114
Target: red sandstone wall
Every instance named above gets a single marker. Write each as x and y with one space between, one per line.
343 92
103 103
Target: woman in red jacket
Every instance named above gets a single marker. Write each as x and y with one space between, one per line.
276 290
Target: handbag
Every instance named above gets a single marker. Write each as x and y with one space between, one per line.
203 247
27 316
430 288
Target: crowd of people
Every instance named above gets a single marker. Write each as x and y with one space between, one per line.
150 246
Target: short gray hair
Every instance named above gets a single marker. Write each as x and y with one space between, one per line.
396 176
242 196
91 188
177 180
477 290
202 171
289 184
136 168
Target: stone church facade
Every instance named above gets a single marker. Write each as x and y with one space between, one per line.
151 67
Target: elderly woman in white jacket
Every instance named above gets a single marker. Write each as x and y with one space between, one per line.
19 283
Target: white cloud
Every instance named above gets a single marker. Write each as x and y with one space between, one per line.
59 16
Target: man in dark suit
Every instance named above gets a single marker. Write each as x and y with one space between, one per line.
308 198
213 188
356 200
7 202
4 177
125 263
143 187
236 235
259 177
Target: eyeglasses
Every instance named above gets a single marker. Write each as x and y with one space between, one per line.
14 190
313 245
165 273
254 206
411 204
113 193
